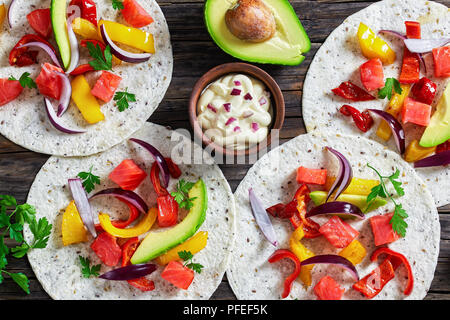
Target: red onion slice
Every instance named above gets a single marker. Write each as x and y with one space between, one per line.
227 107
439 159
44 47
230 121
262 218
344 177
332 259
425 45
237 129
211 107
336 207
394 33
396 128
82 203
162 164
55 121
248 96
133 271
66 94
120 53
237 83
236 92
11 7
262 101
255 126
74 51
127 195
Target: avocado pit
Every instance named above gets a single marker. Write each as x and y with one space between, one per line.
251 20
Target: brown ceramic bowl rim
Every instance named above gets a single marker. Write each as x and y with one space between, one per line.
219 71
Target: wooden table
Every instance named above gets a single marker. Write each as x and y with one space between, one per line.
194 54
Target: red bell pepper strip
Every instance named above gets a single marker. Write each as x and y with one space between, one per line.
363 120
174 170
277 210
413 30
167 211
310 228
281 254
128 248
24 57
82 69
403 260
134 214
350 91
424 90
88 10
373 283
84 42
154 177
443 147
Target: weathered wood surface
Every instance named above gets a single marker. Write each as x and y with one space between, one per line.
194 54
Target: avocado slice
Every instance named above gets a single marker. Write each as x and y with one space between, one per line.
285 47
319 197
58 9
438 131
158 243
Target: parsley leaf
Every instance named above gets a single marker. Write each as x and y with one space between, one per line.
182 194
117 4
89 180
21 280
391 83
41 231
187 256
26 81
397 221
122 98
87 271
11 78
102 59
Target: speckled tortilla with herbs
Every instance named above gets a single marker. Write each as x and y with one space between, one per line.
24 121
340 57
58 268
273 179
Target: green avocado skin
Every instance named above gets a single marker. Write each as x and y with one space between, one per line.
158 243
58 16
287 13
319 197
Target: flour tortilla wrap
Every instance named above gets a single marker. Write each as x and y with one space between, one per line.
273 179
58 268
340 57
24 120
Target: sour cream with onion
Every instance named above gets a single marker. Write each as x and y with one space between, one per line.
235 111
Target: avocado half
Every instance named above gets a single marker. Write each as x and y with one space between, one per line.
286 47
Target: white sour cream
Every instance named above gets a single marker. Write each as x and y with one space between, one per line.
235 111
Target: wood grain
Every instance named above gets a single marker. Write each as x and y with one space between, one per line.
194 54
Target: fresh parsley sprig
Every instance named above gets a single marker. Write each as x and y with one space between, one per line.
181 195
187 257
391 83
25 80
13 217
117 5
87 271
398 222
122 99
102 59
89 180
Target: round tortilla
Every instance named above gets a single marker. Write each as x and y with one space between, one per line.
273 179
24 120
58 268
339 59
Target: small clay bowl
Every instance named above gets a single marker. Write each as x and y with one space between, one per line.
277 99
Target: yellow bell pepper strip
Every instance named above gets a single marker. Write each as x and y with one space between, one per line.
85 101
415 152
85 29
73 230
135 38
354 252
394 108
194 245
302 253
373 46
2 14
142 227
357 186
